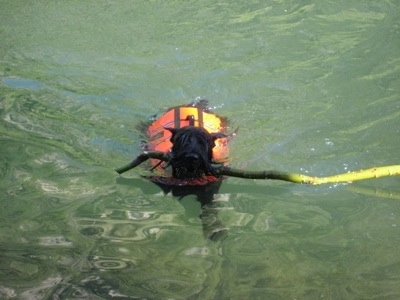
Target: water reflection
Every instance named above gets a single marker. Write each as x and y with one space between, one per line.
211 199
213 229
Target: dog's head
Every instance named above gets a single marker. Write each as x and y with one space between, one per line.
191 152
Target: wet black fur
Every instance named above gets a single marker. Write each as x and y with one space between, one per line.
191 152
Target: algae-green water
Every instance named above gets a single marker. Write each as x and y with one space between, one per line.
313 87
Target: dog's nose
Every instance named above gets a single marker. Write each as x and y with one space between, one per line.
192 161
192 157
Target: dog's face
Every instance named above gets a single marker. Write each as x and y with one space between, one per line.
191 152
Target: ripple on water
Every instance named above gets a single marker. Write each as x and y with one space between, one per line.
92 231
7 293
54 241
203 251
42 290
168 287
24 83
109 264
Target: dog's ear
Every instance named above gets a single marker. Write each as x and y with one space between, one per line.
217 135
172 130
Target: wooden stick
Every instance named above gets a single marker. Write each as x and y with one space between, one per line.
375 172
142 158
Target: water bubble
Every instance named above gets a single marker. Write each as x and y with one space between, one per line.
328 142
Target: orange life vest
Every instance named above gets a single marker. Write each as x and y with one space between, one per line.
178 117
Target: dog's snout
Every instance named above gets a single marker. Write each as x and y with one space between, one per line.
192 157
192 162
191 152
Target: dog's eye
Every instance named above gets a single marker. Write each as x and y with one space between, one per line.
200 142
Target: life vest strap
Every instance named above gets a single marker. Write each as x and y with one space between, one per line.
179 116
200 117
191 120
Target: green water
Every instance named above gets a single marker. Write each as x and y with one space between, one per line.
313 87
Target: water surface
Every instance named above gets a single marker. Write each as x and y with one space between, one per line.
313 87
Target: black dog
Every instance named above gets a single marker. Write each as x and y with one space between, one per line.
191 152
184 138
192 149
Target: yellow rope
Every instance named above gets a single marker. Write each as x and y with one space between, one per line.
376 172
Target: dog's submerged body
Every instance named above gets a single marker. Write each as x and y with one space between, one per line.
193 136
